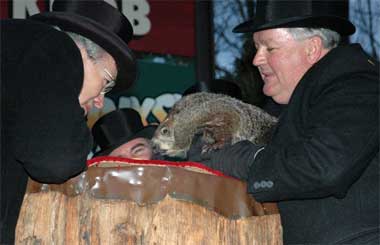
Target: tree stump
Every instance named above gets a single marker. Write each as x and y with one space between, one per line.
137 202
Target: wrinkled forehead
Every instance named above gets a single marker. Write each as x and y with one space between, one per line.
134 143
271 36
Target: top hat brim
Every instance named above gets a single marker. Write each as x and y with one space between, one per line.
147 133
109 41
340 25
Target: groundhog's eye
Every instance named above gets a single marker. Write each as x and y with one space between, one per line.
164 131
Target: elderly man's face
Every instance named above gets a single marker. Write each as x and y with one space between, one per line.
139 148
282 61
96 76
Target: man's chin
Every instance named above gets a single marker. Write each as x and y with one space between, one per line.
277 97
280 99
86 109
268 92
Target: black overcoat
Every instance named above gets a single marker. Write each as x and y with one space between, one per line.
44 133
322 166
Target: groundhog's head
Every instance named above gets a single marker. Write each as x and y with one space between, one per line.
166 142
174 135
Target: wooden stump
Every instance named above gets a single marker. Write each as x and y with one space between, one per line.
96 209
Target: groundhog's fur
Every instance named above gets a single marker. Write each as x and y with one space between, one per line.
220 118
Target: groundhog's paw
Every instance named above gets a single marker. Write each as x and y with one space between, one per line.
208 137
212 147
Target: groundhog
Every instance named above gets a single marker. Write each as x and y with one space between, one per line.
220 119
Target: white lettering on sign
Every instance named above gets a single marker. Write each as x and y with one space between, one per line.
133 102
148 105
164 101
137 13
21 7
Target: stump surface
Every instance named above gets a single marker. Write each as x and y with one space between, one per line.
52 214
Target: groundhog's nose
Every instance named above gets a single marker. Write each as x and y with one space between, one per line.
155 147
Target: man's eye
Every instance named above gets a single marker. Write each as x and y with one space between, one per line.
270 49
139 150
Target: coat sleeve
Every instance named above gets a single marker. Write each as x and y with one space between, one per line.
339 139
50 137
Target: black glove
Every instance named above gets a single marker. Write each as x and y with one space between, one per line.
233 160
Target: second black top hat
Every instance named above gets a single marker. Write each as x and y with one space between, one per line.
118 127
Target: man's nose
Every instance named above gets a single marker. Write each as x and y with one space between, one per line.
155 147
259 58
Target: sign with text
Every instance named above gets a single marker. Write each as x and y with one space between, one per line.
160 26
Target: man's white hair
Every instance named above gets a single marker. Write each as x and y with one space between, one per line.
330 38
94 51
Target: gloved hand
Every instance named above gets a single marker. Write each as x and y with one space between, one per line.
233 160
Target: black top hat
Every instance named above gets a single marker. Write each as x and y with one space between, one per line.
102 24
118 127
219 86
306 13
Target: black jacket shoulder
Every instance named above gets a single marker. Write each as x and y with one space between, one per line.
44 125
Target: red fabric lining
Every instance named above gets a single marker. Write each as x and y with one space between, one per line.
100 160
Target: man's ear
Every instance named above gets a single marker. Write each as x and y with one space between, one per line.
314 49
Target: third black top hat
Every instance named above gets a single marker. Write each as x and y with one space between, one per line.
118 127
303 13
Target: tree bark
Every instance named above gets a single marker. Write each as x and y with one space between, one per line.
53 215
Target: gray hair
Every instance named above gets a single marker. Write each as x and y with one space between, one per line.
330 38
94 51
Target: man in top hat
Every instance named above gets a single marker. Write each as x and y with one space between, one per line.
121 133
54 67
322 163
